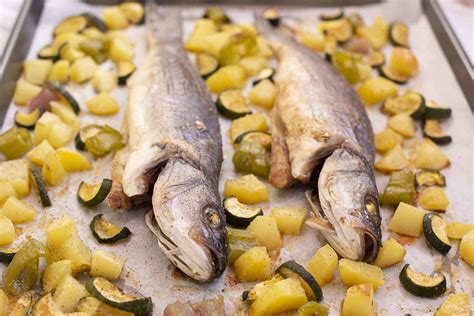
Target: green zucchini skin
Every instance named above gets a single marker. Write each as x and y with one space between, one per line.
431 237
226 111
54 57
234 218
32 124
384 71
332 15
419 290
435 113
61 90
6 257
79 141
123 234
95 21
437 178
101 195
141 306
416 114
441 139
292 268
122 80
41 186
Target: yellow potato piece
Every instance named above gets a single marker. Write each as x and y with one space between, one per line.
253 265
53 274
83 69
60 71
121 50
17 211
43 127
390 254
38 154
266 230
395 159
403 124
114 18
429 156
17 173
456 230
68 293
6 190
7 231
225 78
407 220
247 189
202 28
289 219
72 160
66 114
282 296
103 104
355 272
106 265
359 300
403 62
251 122
376 90
104 81
433 199
466 248
252 65
24 92
53 170
386 140
36 71
263 93
323 264
455 305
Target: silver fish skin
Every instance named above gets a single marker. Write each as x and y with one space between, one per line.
322 135
175 151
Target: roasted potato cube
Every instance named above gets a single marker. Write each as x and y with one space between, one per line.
60 71
407 220
18 211
289 219
68 293
38 154
24 92
252 65
253 265
266 230
391 253
403 62
17 173
106 265
456 304
359 300
103 104
387 140
83 69
64 242
457 230
54 273
282 296
121 50
466 248
433 199
114 18
7 231
403 124
43 126
225 78
36 71
133 11
6 190
104 81
323 265
202 28
429 156
60 134
247 189
376 90
251 122
66 114
263 93
53 170
393 160
355 272
72 160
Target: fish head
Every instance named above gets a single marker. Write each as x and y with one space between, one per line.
188 220
346 206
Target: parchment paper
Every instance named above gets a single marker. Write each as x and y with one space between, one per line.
146 267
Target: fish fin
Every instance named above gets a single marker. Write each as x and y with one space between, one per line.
117 198
280 169
320 224
163 25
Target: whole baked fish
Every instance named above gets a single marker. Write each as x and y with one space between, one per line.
322 135
174 153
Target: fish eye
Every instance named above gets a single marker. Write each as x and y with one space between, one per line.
213 217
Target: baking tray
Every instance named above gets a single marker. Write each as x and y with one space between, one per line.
149 271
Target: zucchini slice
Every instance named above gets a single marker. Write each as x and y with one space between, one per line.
60 90
340 29
435 230
411 102
93 194
239 214
266 73
217 15
49 52
398 34
107 233
41 186
6 255
433 131
72 24
232 104
108 293
291 269
434 111
27 120
206 64
375 59
400 188
334 15
272 16
94 21
356 20
238 241
422 285
262 138
85 133
429 177
46 306
387 72
125 69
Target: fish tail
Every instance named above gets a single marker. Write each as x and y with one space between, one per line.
163 24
